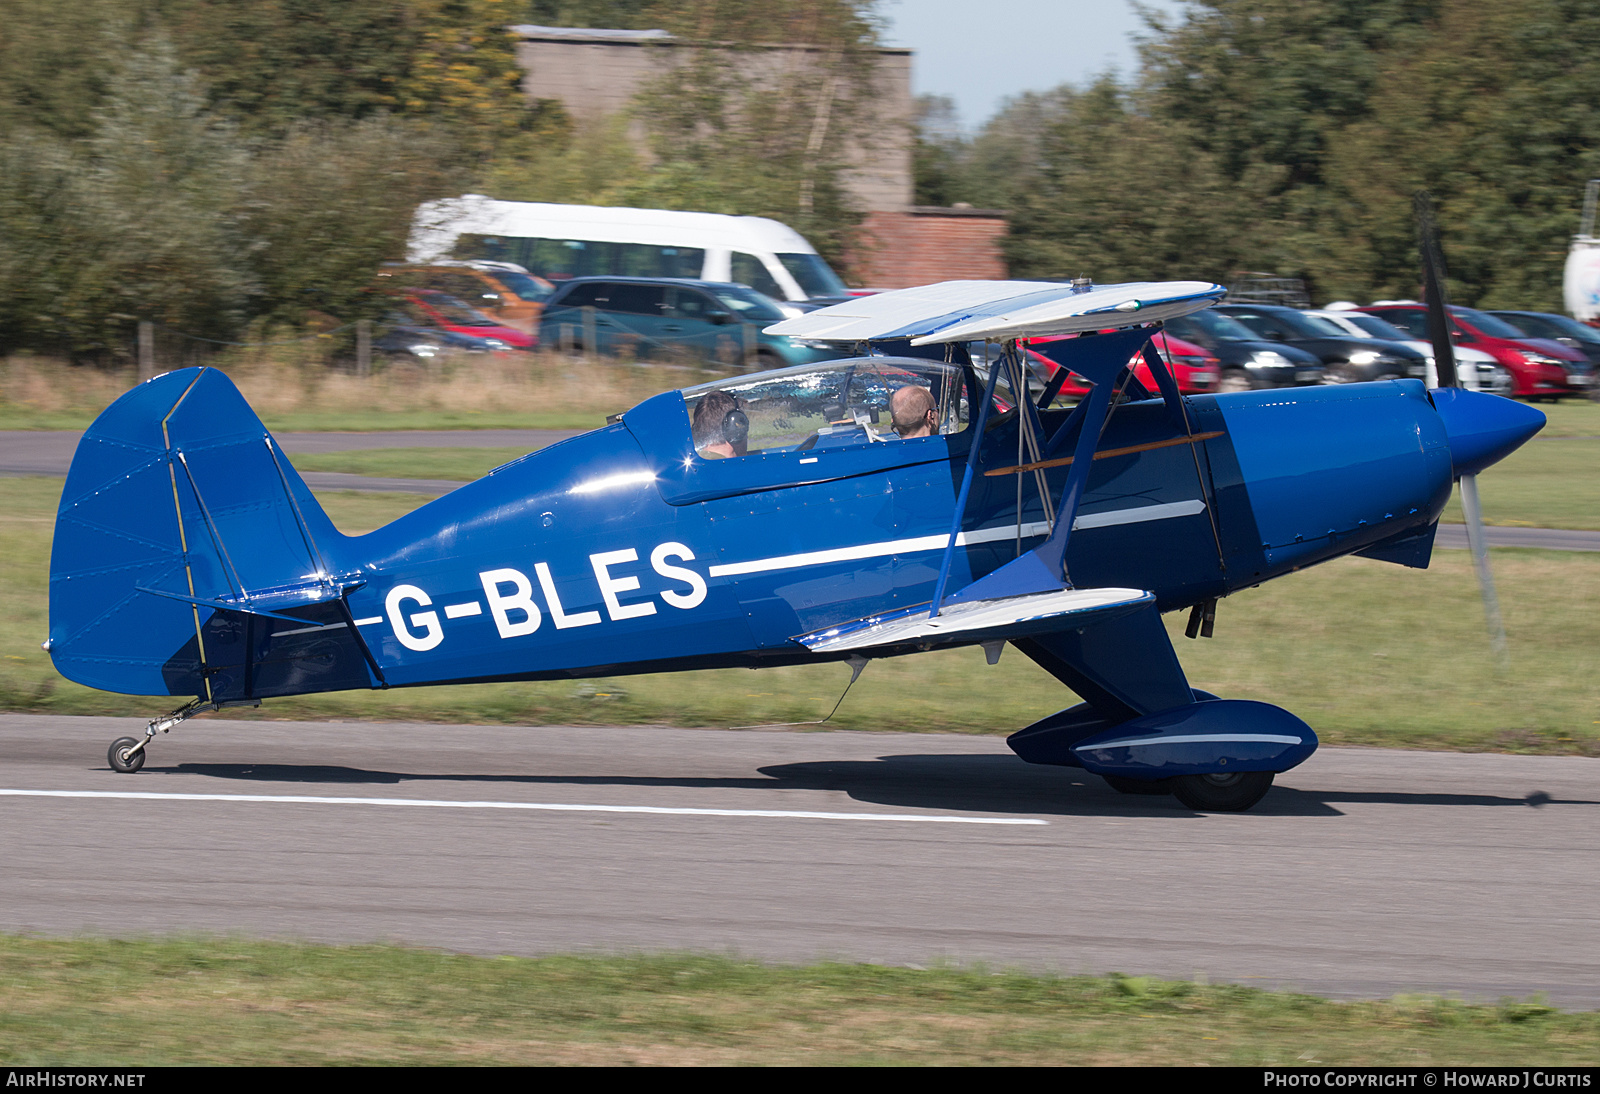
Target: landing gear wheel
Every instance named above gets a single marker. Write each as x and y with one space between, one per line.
122 757
1231 793
1124 785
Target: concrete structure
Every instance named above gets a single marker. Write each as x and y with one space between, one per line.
594 73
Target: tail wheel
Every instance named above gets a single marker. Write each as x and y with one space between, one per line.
1233 792
123 758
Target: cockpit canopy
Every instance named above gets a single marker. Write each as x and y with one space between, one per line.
834 404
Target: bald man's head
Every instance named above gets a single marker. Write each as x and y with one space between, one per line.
911 412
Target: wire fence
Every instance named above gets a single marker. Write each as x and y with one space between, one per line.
157 346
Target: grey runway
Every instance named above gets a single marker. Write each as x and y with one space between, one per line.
1362 874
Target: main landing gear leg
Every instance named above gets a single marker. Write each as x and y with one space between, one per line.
127 753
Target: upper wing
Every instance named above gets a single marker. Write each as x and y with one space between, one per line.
964 311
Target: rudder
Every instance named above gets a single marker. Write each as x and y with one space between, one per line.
190 558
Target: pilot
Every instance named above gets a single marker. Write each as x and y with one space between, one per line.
720 427
911 412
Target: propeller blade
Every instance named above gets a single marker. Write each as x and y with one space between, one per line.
1436 294
1480 562
1434 290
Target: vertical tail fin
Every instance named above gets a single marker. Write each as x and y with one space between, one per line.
191 559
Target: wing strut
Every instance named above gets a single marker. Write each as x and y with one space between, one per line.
1030 437
974 454
1180 412
1100 359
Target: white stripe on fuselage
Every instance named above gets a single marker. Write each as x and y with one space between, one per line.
1139 514
965 539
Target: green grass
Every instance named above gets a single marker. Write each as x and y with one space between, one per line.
1367 652
149 1003
1551 483
1544 484
461 464
1571 418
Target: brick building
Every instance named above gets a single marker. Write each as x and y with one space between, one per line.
594 73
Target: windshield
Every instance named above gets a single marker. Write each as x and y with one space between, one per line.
1488 324
1557 326
813 275
835 404
1206 327
454 311
1319 327
526 287
1377 328
748 304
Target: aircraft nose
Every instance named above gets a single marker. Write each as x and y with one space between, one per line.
1483 429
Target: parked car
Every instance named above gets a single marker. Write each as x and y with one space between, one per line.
1540 369
1557 328
1475 367
652 317
1248 361
402 335
1196 371
1348 359
430 307
504 291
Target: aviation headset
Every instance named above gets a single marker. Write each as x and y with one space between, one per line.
736 429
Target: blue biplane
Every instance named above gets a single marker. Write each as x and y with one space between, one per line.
903 499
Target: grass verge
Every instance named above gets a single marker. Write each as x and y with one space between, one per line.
99 1003
1544 484
460 464
1547 483
1367 652
1571 418
469 391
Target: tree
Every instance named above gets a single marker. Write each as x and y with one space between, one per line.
135 222
1119 195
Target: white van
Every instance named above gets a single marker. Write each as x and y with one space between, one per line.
564 241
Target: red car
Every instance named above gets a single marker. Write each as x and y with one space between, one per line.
1196 371
442 310
1539 367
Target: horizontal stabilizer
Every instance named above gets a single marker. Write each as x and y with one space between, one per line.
190 558
975 621
968 311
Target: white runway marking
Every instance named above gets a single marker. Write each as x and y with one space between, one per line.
793 814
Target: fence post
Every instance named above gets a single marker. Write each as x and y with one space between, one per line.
750 343
147 350
590 338
363 348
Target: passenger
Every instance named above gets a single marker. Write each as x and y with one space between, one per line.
911 412
710 440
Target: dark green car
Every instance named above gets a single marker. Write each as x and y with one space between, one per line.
668 318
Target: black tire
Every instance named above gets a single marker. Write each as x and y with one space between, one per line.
1231 793
1234 379
121 759
1124 785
